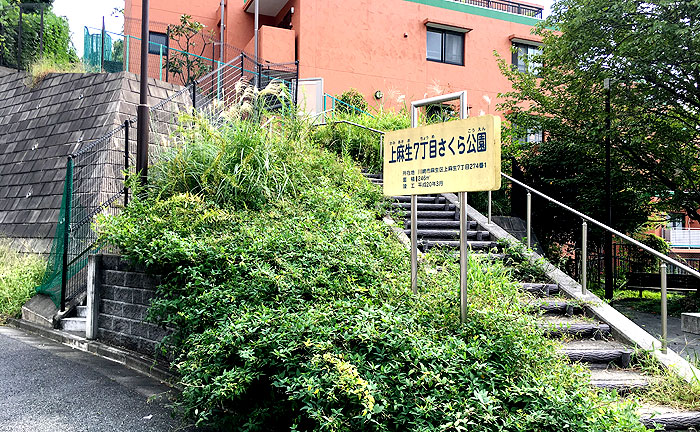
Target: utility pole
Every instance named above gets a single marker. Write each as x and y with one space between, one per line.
608 202
142 111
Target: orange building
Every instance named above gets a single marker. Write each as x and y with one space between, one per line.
393 51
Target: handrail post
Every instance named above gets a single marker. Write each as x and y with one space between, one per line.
529 218
584 258
489 219
664 311
160 61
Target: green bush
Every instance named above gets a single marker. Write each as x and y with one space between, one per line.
19 274
350 102
297 315
360 144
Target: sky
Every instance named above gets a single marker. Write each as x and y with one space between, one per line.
82 13
89 13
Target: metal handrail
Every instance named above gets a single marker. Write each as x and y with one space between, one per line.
359 125
654 252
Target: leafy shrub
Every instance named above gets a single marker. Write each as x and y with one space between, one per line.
297 316
360 144
350 102
19 274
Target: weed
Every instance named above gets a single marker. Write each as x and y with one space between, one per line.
40 68
19 274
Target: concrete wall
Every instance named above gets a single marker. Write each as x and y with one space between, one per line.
41 126
124 294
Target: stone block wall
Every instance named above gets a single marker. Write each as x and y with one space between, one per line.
125 292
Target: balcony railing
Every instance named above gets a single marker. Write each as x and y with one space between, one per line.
682 238
507 6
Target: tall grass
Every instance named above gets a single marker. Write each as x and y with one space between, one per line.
19 274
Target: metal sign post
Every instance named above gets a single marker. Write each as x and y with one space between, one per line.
459 156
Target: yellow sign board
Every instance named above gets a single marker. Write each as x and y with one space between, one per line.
456 156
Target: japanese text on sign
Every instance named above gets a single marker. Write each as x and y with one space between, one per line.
458 156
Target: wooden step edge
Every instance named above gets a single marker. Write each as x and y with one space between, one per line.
621 357
673 421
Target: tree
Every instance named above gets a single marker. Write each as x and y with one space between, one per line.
56 35
190 39
648 49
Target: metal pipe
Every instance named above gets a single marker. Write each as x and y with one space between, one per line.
19 40
142 110
627 238
167 54
102 48
414 244
257 17
221 50
608 198
41 34
489 219
584 258
160 62
128 38
463 257
664 311
529 219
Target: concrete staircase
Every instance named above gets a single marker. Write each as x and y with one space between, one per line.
584 339
75 324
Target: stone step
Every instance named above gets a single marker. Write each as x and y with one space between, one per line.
473 245
671 419
440 224
431 234
81 311
557 307
556 327
622 380
74 324
372 175
598 352
425 206
438 214
421 199
540 289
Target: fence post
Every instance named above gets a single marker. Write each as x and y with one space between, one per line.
126 161
126 59
296 83
19 40
584 258
102 49
664 311
68 191
529 218
41 33
259 75
167 52
2 51
160 62
489 219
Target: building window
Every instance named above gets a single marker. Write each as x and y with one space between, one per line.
155 40
532 136
445 46
676 221
527 57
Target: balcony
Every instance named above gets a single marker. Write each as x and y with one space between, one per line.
526 9
682 238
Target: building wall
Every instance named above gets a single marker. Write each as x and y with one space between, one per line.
374 46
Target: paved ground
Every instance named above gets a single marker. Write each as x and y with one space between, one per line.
46 386
685 344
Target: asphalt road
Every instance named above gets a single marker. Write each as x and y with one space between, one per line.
46 386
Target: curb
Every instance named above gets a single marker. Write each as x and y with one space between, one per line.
140 363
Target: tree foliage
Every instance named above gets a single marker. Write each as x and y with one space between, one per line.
57 45
189 37
648 51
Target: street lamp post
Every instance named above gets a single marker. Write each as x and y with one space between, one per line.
608 200
142 109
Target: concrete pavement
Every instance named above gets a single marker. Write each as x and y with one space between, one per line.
685 344
46 386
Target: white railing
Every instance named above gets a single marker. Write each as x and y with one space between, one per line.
683 237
